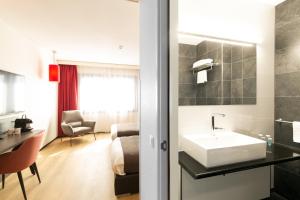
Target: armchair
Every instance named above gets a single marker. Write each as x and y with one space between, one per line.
73 124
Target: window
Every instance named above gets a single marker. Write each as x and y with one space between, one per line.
108 92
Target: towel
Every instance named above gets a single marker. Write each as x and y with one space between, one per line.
202 76
202 62
296 131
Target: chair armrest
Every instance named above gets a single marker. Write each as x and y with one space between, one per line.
67 129
89 124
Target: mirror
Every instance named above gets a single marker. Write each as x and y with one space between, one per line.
217 73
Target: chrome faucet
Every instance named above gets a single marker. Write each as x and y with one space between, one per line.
213 120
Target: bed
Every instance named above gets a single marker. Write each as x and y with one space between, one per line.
125 162
123 130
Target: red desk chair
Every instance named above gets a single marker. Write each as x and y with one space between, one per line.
21 158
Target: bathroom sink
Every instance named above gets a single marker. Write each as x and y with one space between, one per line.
222 148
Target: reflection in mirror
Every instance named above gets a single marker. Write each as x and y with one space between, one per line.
217 73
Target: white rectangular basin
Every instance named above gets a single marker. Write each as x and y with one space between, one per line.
222 148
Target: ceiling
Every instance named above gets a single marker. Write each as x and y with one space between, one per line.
105 31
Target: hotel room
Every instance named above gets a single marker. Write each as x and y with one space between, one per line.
150 99
69 83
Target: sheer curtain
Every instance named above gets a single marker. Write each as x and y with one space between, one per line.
108 95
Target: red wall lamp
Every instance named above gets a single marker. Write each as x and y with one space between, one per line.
54 74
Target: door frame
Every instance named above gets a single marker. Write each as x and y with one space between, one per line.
154 116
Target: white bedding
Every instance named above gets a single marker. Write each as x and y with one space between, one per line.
117 157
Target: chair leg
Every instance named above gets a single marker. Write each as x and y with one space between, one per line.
36 171
95 136
3 180
32 170
70 140
22 184
60 139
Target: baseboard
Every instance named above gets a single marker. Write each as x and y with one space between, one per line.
66 136
105 132
48 143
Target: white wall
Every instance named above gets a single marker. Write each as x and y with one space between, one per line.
241 21
19 55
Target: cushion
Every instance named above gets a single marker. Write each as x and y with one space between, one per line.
75 124
71 116
81 130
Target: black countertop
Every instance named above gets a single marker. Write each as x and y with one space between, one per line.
276 154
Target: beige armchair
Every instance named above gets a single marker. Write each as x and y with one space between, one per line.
73 124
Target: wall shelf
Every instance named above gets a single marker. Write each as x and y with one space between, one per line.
207 66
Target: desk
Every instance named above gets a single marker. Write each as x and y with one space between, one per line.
10 141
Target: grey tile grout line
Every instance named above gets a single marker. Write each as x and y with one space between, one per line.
230 75
242 75
286 72
287 96
222 74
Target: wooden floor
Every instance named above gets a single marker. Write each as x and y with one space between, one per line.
80 172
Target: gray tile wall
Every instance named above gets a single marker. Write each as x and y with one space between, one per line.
287 90
212 90
187 81
233 81
243 74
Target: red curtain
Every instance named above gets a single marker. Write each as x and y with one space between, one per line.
67 92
